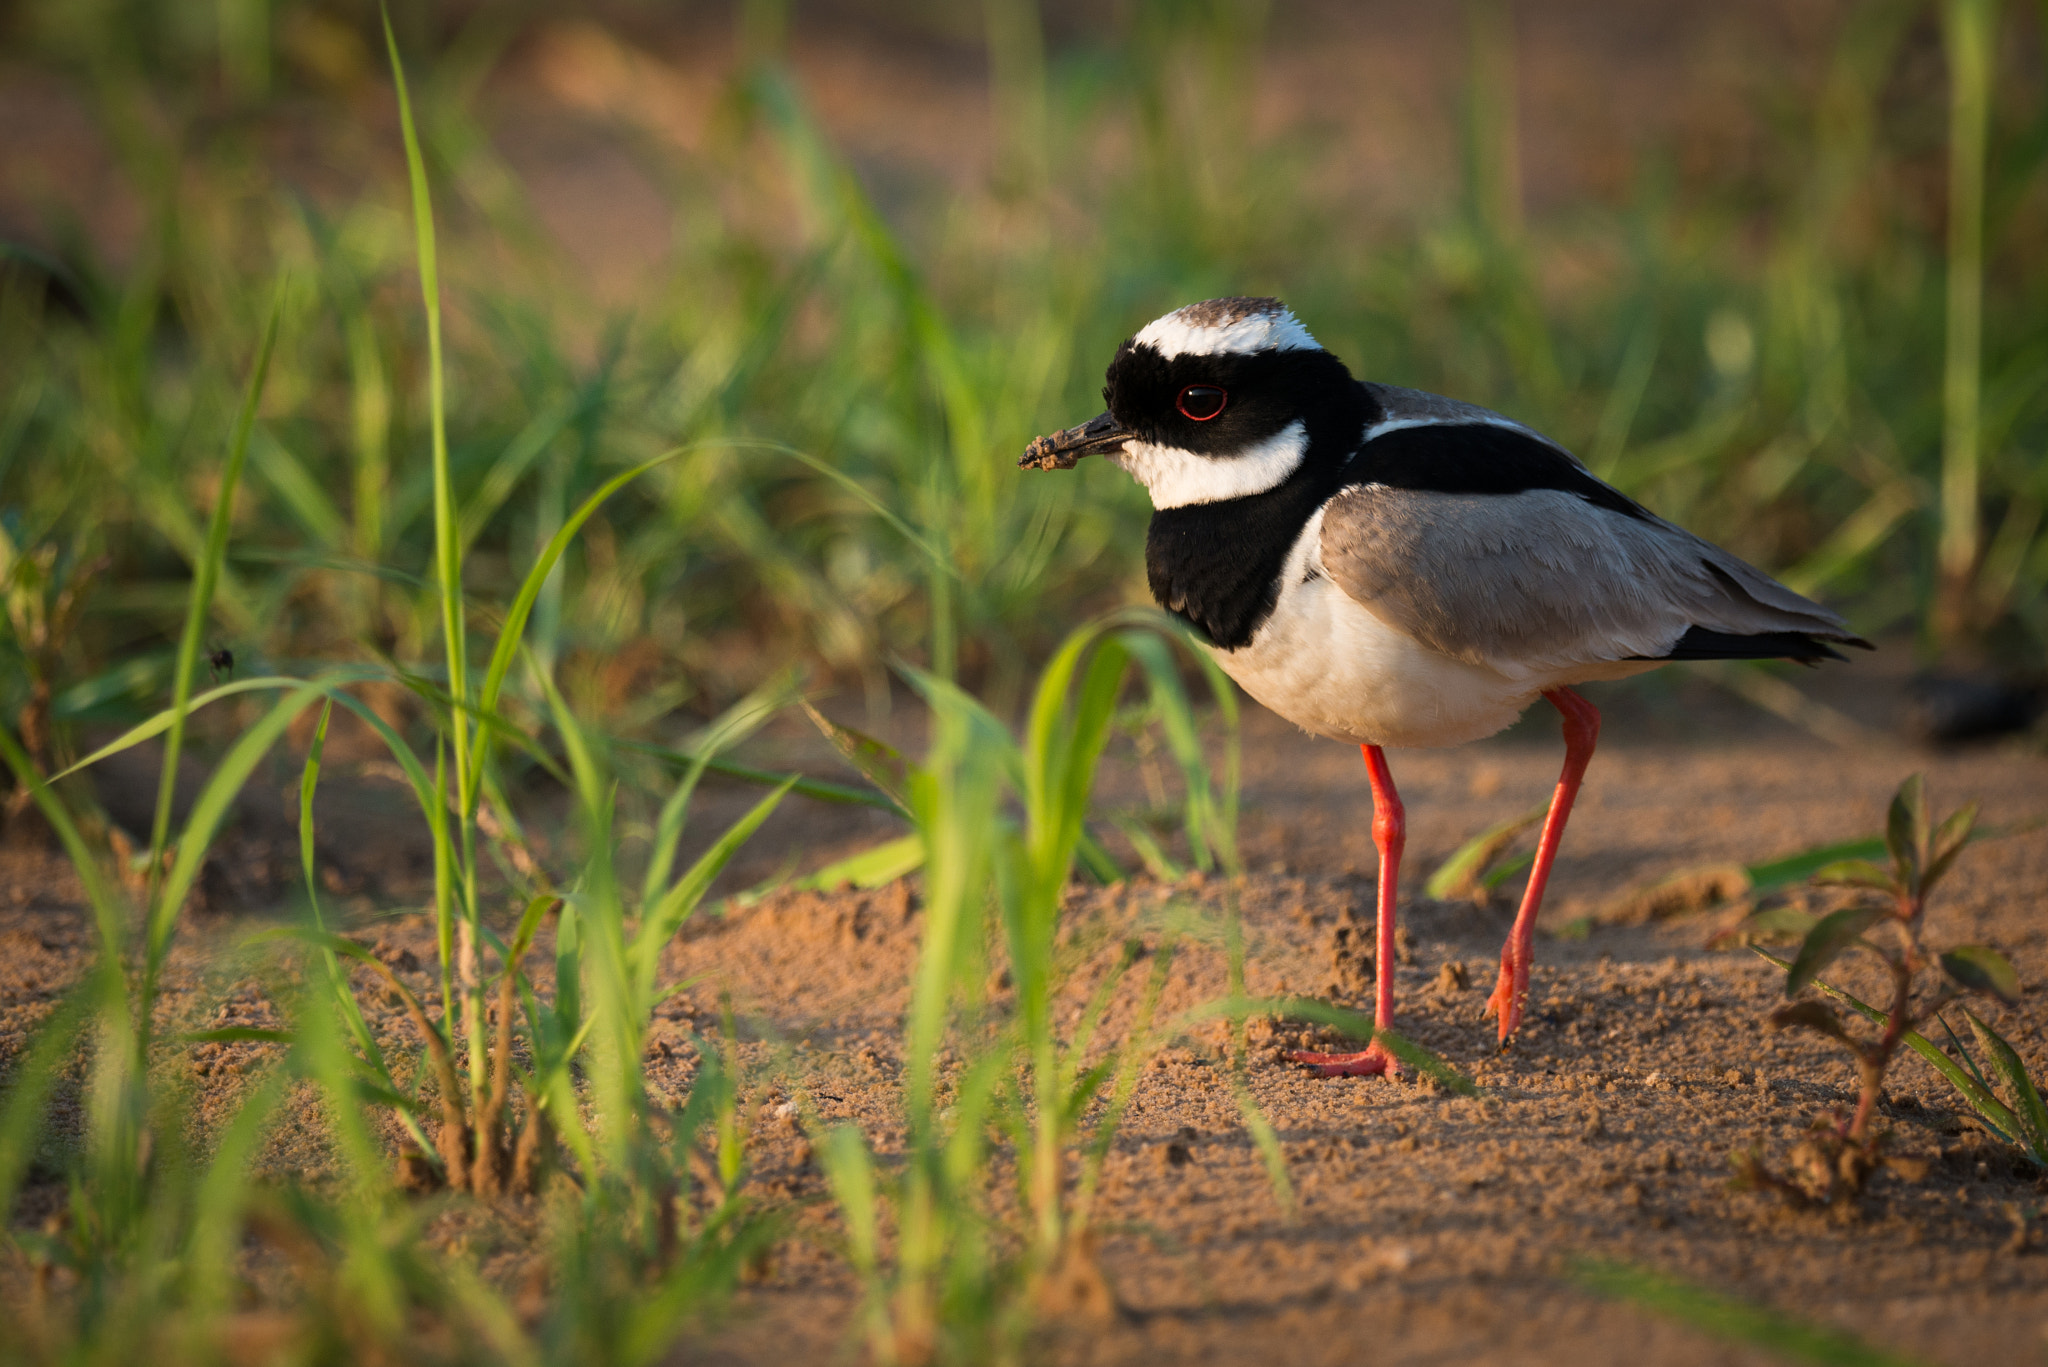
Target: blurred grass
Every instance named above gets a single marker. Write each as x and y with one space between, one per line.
1780 359
1784 1338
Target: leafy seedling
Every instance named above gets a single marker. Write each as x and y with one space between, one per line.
1885 921
2020 1116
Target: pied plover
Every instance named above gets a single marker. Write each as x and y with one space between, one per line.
1396 569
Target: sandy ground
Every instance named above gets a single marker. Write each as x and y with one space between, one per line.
1427 1226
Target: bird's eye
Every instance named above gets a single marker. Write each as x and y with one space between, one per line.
1201 402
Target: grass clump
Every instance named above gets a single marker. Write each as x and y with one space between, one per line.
157 1239
960 1282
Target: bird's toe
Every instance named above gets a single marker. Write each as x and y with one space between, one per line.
1370 1062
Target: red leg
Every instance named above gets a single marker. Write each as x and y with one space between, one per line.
1581 731
1389 832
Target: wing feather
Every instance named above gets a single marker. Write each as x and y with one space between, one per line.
1529 582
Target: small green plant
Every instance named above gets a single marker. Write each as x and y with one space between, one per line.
1885 920
2020 1116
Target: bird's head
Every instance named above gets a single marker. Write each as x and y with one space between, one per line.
1215 401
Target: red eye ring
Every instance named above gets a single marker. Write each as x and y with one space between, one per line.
1201 402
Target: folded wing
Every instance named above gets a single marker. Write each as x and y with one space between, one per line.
1525 581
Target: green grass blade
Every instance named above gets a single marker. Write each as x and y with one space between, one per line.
851 1171
309 784
737 722
513 629
1969 31
301 492
874 867
1963 1052
237 1034
345 999
2026 1097
375 1280
223 1197
164 720
1264 1140
109 913
447 539
32 1080
668 830
1466 867
819 789
956 798
510 467
1098 861
660 923
980 730
1079 750
936 558
1150 852
211 810
1797 868
589 779
1204 818
486 1313
1736 1321
206 574
1046 726
536 911
1355 1024
877 761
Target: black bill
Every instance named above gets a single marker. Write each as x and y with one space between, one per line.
1059 451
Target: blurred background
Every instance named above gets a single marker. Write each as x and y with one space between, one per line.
1780 270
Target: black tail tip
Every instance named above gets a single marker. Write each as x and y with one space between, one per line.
1701 643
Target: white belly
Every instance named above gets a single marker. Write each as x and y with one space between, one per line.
1327 664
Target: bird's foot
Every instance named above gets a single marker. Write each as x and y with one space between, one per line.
1509 993
1372 1061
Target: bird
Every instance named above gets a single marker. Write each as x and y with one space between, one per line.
1397 569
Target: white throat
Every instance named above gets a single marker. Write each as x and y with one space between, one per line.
1177 478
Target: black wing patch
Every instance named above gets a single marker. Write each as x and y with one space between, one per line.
1698 643
1480 458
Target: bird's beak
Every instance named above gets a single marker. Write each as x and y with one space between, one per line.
1097 436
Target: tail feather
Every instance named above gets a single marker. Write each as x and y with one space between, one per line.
1702 643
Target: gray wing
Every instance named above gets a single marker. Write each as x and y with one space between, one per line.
1542 579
